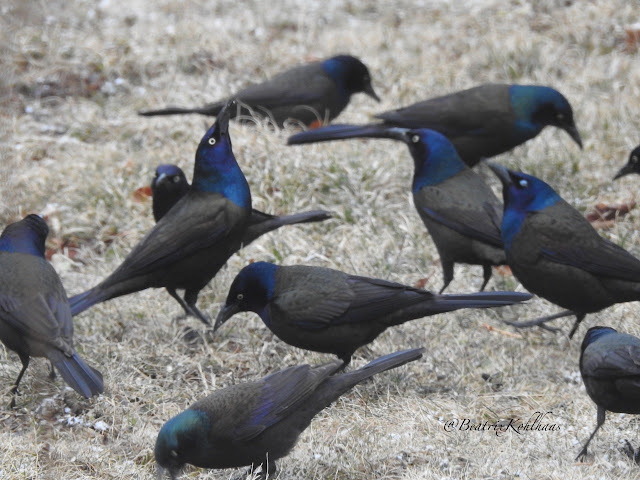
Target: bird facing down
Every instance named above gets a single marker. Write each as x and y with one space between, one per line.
329 311
610 368
632 166
35 318
311 94
256 423
557 254
481 122
190 243
170 184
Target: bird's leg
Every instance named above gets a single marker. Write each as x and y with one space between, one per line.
579 318
447 273
14 391
601 416
267 471
52 371
631 453
486 275
540 322
190 298
174 294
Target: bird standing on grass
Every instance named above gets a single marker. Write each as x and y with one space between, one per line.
329 311
481 122
188 246
35 318
632 166
256 423
312 94
170 184
610 369
557 254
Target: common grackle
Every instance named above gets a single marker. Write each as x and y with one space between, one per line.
326 310
556 253
188 246
481 122
610 368
312 94
632 166
170 184
256 423
35 318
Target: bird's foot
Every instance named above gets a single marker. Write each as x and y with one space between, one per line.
540 322
583 453
629 451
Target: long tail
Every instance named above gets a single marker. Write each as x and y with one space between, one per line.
381 364
79 303
341 132
261 223
85 380
209 110
448 303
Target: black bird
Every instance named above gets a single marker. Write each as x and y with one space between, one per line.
329 311
188 246
556 253
256 423
632 166
481 122
35 318
610 368
311 94
170 185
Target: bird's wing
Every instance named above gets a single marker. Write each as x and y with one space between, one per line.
194 223
618 361
280 394
465 204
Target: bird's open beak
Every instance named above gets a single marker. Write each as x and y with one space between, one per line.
574 134
225 314
502 173
626 170
371 92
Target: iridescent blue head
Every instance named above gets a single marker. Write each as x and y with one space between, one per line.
182 440
167 187
632 166
535 107
251 291
216 169
434 156
594 333
350 74
523 195
26 236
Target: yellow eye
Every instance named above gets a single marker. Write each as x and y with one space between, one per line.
240 296
212 141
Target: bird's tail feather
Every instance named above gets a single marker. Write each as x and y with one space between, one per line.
85 380
79 303
210 110
261 223
448 303
302 217
341 132
381 364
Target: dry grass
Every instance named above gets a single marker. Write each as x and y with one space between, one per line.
75 72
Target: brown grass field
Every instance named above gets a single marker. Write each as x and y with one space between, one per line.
74 73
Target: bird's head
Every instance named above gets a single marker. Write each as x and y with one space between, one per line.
538 106
216 169
26 236
350 74
595 333
632 166
251 291
167 187
180 439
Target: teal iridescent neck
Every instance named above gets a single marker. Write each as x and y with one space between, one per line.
526 101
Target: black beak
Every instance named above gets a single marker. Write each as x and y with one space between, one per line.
574 134
502 173
626 170
222 120
368 89
225 314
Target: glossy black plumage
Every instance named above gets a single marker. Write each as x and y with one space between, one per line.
610 368
481 122
35 318
259 422
311 94
188 246
558 255
326 310
632 165
170 184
